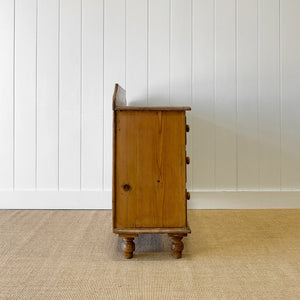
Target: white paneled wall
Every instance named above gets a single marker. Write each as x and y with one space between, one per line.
47 105
236 62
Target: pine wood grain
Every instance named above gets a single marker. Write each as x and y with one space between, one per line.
150 169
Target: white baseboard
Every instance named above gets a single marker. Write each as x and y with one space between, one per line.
102 199
244 200
55 200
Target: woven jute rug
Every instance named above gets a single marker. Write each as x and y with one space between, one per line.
231 254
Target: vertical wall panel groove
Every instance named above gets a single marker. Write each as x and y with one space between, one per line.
248 163
214 91
58 96
170 49
69 143
280 94
114 71
203 98
81 104
92 96
290 54
180 59
159 50
25 93
180 49
258 92
225 90
47 95
190 115
7 94
136 51
14 99
236 93
147 51
269 95
36 96
103 96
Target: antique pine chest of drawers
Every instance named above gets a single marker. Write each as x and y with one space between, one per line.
149 172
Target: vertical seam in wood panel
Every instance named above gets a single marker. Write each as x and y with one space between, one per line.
80 113
36 91
236 98
214 92
170 16
147 51
103 73
101 114
14 96
280 97
58 101
258 92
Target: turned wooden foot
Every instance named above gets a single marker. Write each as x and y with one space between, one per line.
128 245
177 244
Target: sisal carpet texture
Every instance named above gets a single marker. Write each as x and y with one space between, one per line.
231 254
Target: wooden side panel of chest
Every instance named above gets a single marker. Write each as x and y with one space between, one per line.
150 169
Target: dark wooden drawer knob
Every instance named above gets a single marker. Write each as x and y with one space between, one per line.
188 196
187 159
126 187
187 128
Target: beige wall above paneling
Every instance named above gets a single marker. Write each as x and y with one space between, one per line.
235 62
